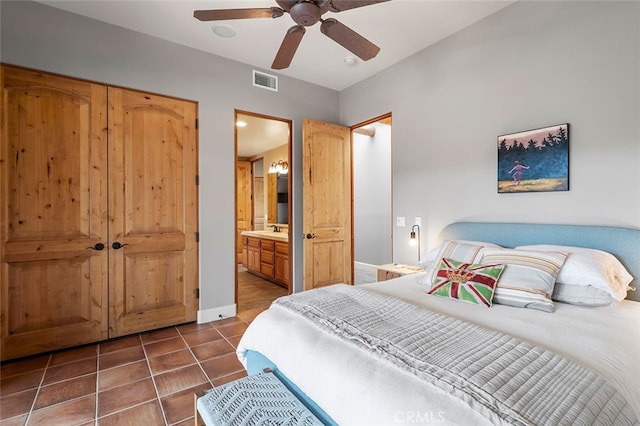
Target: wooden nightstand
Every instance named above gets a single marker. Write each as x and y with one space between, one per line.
395 270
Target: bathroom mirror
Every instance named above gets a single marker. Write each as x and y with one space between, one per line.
277 198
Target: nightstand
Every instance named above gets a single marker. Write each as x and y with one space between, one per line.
395 270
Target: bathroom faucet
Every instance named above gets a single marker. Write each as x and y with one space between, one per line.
276 228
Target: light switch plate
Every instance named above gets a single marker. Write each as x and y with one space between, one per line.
400 221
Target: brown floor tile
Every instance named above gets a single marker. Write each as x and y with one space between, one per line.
16 403
212 350
66 390
21 382
250 314
119 344
72 412
192 327
171 361
148 413
236 329
222 366
156 335
230 378
121 357
177 380
200 337
235 340
15 421
164 347
70 370
226 321
179 406
186 422
60 386
74 354
21 366
123 374
125 396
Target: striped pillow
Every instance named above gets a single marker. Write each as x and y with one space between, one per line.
529 277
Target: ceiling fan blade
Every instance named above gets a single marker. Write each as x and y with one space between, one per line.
349 39
341 5
288 47
226 14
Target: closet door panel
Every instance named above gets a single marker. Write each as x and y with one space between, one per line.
53 208
153 211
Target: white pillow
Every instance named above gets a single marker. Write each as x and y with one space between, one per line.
428 259
529 277
581 295
590 267
458 250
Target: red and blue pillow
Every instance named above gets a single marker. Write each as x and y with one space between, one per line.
467 282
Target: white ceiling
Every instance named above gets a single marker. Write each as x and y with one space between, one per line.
260 135
399 27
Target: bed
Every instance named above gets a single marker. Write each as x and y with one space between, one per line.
389 353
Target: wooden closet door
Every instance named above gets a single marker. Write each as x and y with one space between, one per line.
53 209
153 211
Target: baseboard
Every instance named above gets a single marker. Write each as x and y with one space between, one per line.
217 314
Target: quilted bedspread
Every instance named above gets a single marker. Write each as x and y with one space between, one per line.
507 380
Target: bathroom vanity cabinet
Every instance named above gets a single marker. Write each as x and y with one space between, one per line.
266 256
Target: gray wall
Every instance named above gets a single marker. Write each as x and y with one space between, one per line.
372 196
530 65
45 38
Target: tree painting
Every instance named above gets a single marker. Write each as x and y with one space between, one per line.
534 160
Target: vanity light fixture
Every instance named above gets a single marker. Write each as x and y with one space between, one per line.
415 230
281 167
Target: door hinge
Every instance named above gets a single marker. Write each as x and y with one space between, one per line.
197 123
197 180
197 237
197 293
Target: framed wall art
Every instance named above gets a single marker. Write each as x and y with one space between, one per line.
534 160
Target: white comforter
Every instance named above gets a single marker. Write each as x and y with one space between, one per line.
356 389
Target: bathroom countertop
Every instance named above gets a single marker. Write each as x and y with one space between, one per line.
270 235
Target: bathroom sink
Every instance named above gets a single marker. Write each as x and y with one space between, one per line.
279 236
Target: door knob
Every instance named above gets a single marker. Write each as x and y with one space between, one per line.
116 245
98 247
309 236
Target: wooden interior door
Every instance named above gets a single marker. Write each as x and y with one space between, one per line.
327 217
153 251
243 203
53 210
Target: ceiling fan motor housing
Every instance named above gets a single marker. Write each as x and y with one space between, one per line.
305 13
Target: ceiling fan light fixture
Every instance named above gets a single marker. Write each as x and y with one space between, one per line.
223 30
350 61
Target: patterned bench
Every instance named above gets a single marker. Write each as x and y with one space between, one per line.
253 400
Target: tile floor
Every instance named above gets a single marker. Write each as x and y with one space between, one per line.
143 379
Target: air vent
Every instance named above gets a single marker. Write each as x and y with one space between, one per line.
266 81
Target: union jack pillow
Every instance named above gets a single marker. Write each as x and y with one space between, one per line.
465 281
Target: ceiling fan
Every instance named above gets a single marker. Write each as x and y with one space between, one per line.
305 13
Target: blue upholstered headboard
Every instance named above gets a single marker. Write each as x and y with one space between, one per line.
624 243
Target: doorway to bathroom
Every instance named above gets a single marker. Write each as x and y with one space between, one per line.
263 210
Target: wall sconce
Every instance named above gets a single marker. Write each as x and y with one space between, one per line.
415 230
281 167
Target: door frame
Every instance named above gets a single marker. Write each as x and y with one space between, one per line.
289 123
